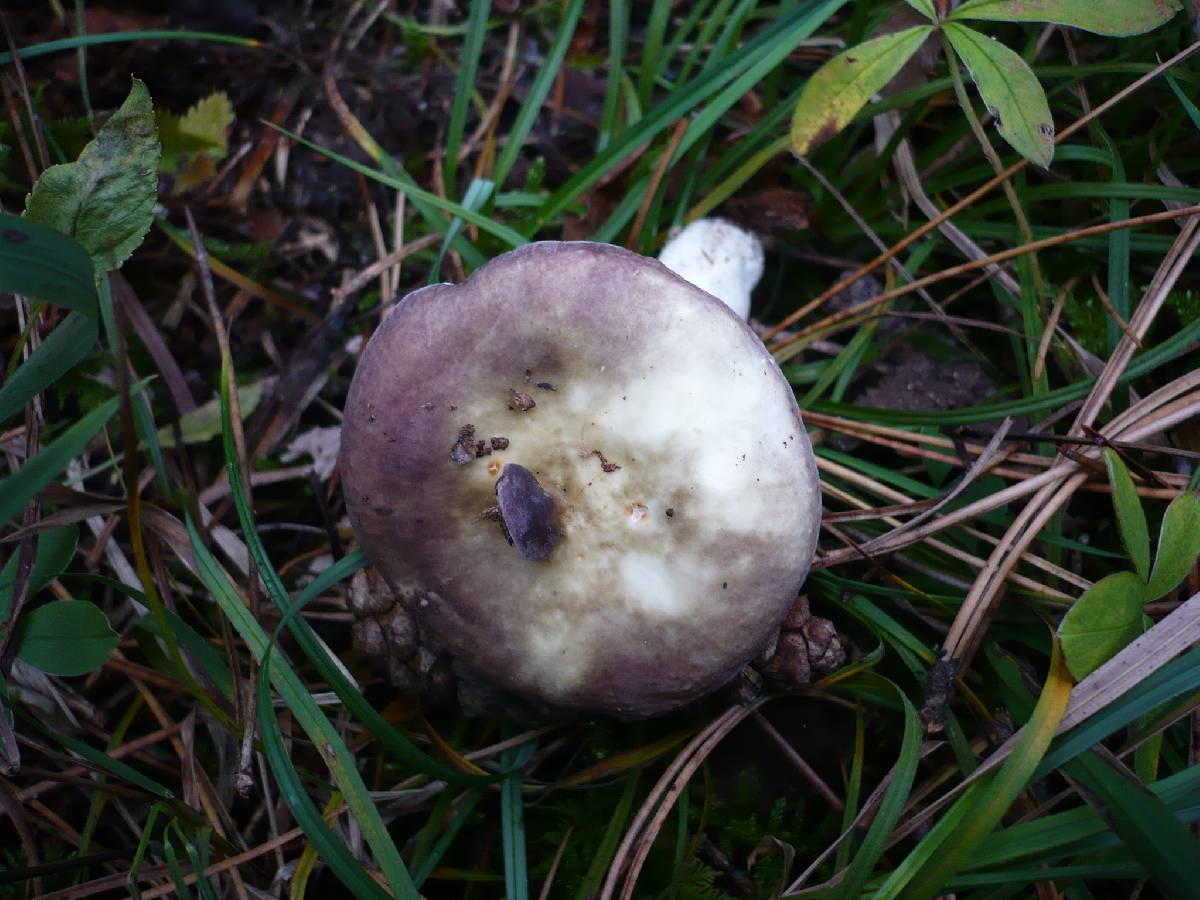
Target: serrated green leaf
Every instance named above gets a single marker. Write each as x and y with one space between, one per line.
70 342
1178 545
1106 618
105 199
43 263
1116 18
925 8
1131 518
66 637
17 489
1010 89
841 87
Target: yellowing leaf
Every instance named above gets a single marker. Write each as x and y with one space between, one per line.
1102 622
195 141
1116 18
105 199
841 87
1010 89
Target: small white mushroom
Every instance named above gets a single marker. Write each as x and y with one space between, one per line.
719 257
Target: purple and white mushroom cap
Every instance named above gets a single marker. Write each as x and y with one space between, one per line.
586 476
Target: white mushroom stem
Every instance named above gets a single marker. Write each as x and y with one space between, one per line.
719 257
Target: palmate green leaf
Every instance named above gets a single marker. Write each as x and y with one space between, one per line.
66 637
1131 518
841 87
105 199
1106 618
1010 89
1178 545
1116 18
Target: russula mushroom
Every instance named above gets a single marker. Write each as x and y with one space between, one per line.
586 478
719 257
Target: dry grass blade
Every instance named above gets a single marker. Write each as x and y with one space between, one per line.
967 629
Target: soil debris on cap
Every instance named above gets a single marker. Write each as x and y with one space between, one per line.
466 448
519 401
605 465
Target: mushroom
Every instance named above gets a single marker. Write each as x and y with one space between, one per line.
585 477
719 257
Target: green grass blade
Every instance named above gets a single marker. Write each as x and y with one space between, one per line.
492 227
1147 828
989 799
656 29
889 808
806 18
324 736
445 839
618 39
468 66
40 262
477 194
70 342
512 822
532 106
20 487
291 789
125 37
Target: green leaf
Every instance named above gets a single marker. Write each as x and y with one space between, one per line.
953 842
925 8
1178 545
204 422
66 637
1147 827
1131 518
842 86
194 142
890 807
201 130
1106 618
1010 90
105 199
17 489
70 342
40 262
55 548
1116 18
